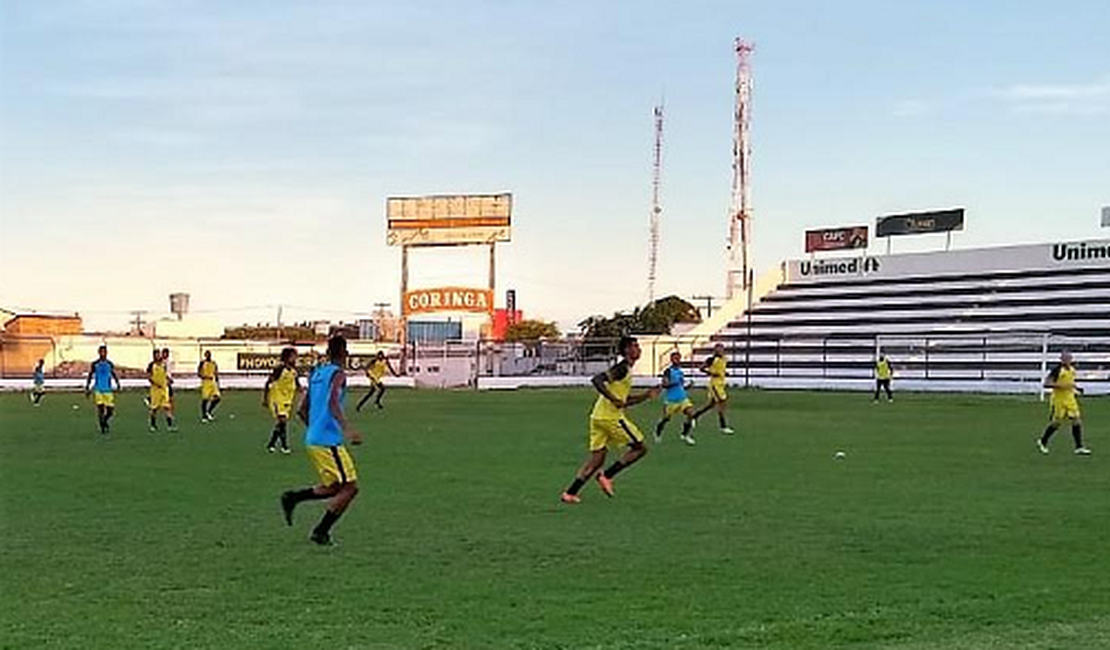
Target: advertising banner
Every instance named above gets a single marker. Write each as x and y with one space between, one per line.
918 223
1037 257
447 299
835 239
447 220
306 361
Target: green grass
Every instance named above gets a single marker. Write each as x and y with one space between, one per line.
943 528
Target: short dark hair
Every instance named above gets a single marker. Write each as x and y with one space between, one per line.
337 345
287 353
625 343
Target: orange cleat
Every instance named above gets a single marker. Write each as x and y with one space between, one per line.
606 484
567 497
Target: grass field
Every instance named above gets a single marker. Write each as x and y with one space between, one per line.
943 528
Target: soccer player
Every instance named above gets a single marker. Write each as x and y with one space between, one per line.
675 400
715 366
39 379
281 389
209 374
159 392
608 424
883 373
1063 406
101 375
167 363
322 412
375 373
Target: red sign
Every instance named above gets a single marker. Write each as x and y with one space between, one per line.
448 299
835 239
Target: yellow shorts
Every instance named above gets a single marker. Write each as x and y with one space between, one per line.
717 391
613 433
159 398
1060 410
374 381
281 409
333 464
104 399
209 390
673 408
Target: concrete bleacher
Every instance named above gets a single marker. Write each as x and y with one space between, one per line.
985 319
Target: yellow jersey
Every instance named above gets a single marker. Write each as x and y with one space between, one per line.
283 385
716 366
882 369
207 370
1062 379
158 376
618 380
377 369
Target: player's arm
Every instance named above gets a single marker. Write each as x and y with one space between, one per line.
302 412
389 366
665 379
88 380
338 381
601 379
200 366
216 373
115 378
636 398
270 380
1052 378
706 365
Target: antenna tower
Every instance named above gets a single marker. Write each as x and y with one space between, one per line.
656 208
739 223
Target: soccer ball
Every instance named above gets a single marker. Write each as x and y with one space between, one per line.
840 455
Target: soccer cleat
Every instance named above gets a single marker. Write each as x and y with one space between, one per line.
286 450
287 505
270 450
154 429
1082 451
727 430
658 436
172 429
569 498
1041 446
322 539
204 420
606 485
689 440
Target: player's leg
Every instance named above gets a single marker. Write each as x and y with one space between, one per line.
109 411
629 434
102 417
878 387
366 398
593 463
689 423
212 404
290 498
1054 423
661 425
203 410
381 392
153 415
886 387
722 405
278 432
347 490
1077 428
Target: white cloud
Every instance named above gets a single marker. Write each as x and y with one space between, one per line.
1086 98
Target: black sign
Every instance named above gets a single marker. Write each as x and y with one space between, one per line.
917 223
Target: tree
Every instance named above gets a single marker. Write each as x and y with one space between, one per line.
654 318
531 330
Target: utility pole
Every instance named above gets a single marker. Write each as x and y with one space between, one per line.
137 320
656 208
739 225
708 305
379 317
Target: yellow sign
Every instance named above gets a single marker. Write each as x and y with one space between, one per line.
456 219
447 299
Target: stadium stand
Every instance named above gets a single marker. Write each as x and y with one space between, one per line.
990 319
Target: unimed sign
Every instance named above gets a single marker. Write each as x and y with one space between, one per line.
448 299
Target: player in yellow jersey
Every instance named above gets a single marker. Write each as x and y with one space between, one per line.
159 392
608 424
278 396
716 367
209 374
883 374
1063 405
375 372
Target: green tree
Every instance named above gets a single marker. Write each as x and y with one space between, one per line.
531 330
657 317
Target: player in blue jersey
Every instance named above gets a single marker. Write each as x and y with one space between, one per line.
327 429
101 375
675 400
39 379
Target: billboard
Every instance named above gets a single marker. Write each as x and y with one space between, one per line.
918 223
447 299
835 239
306 361
448 220
965 263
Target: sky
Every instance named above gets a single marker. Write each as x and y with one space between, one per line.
242 151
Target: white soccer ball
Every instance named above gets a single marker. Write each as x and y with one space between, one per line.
840 455
75 407
231 416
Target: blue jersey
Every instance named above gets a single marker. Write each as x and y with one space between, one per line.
676 380
39 376
323 429
102 375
